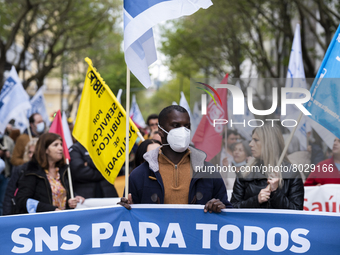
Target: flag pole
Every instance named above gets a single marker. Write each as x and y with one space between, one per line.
127 168
140 136
226 138
69 178
289 140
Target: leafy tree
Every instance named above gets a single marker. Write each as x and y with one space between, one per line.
167 93
208 42
217 40
230 31
108 58
52 30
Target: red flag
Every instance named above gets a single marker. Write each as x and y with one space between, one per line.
57 128
207 137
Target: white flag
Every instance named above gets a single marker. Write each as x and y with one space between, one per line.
39 106
135 114
14 101
66 129
195 119
139 18
184 103
119 95
296 79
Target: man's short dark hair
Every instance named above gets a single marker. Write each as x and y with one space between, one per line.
229 132
151 117
31 118
164 113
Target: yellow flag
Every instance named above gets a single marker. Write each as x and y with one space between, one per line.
101 125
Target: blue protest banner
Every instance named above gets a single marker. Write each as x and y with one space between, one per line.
324 104
169 229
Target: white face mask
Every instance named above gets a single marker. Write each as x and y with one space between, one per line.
178 138
41 127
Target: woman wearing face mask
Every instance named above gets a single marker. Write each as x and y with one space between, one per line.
44 186
240 152
36 128
263 184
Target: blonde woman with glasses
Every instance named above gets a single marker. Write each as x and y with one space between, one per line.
263 183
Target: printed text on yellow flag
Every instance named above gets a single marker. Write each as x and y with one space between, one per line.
100 125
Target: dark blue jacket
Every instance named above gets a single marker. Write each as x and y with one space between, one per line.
146 184
9 200
87 181
34 184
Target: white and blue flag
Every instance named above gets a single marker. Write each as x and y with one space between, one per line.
39 106
14 102
139 18
324 104
119 95
296 79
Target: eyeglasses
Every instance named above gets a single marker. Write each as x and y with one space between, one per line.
154 124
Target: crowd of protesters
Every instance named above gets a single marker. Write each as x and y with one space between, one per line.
162 169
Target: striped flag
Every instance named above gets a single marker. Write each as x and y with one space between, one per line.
139 18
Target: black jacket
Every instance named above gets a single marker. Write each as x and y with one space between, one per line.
9 200
35 185
317 154
290 196
146 183
87 181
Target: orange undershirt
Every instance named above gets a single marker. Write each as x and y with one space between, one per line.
176 179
